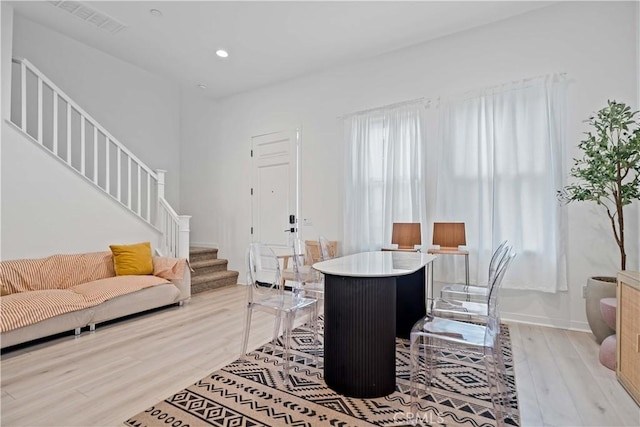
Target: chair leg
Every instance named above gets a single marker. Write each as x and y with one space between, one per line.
503 383
247 326
414 373
288 327
316 341
276 330
493 379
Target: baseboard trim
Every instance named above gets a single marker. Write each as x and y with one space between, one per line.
571 325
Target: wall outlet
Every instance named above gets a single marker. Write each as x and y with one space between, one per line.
584 291
307 222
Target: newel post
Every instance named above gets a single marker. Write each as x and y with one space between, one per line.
183 236
160 184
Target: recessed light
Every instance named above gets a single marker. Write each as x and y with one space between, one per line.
222 53
155 13
201 86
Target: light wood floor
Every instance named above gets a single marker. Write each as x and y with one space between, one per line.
102 378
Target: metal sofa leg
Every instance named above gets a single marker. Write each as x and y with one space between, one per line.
92 327
77 331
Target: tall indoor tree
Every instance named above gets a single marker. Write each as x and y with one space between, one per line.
609 171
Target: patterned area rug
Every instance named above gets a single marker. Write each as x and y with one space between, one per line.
252 393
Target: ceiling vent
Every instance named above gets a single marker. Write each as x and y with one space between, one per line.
91 15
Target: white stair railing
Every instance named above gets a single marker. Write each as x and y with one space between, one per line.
52 120
174 227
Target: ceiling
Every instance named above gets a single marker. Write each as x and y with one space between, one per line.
268 41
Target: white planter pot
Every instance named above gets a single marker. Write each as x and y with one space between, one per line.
598 288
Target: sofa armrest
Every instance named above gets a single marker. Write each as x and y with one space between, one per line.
177 271
184 284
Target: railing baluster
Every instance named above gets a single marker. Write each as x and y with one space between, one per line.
82 145
107 178
172 239
55 122
138 205
119 174
129 181
68 133
148 197
95 155
40 113
23 97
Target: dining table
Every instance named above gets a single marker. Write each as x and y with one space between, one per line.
370 298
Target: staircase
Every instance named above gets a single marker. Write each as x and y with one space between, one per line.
209 271
53 121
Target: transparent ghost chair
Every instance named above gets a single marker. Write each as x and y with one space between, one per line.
328 249
307 252
433 334
311 281
470 301
266 293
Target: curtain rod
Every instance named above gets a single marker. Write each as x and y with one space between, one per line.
427 101
512 83
395 104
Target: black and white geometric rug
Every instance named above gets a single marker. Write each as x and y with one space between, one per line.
252 393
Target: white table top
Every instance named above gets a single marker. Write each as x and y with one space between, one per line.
375 264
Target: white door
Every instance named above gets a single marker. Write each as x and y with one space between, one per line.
275 186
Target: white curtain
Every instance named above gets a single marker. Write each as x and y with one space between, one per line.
501 165
384 175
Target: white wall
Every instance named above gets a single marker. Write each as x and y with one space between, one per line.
46 208
6 40
52 210
140 109
6 14
595 43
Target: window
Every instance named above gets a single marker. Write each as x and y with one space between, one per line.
501 165
384 175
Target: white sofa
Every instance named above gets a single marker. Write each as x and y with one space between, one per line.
47 296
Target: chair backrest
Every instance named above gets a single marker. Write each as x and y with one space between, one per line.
312 252
449 234
498 255
493 308
328 249
263 270
406 234
305 253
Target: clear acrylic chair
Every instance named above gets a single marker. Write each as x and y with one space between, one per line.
433 334
328 249
310 281
470 302
464 292
308 252
265 293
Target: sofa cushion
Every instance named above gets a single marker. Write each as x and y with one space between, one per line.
25 308
98 291
132 259
54 272
136 302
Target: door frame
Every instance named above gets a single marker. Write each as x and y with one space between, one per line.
295 150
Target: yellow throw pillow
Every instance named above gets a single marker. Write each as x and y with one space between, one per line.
132 259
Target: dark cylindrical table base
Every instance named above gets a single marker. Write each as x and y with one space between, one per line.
359 335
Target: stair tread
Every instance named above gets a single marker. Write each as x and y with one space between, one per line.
201 250
208 262
214 276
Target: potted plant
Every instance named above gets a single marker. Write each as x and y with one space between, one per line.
608 174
